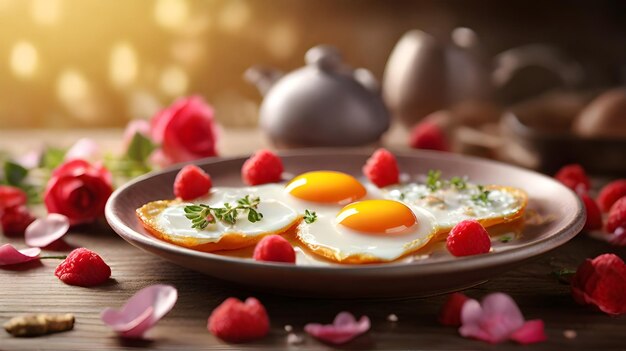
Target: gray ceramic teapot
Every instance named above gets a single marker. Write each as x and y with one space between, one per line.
325 103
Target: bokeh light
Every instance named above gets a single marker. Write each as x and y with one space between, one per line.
173 81
171 13
123 65
46 12
24 59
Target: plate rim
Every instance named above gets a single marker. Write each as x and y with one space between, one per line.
468 263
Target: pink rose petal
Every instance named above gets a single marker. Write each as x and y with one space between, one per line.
44 231
531 332
84 149
135 126
344 328
492 321
9 255
142 311
30 159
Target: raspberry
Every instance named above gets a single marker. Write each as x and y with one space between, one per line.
261 168
468 238
428 135
450 314
236 321
594 216
14 220
191 182
83 267
574 177
274 248
617 216
382 168
611 193
11 196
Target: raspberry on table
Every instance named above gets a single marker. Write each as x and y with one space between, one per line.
428 135
83 267
611 193
274 248
574 177
594 216
468 238
450 313
192 182
617 216
236 321
261 168
382 168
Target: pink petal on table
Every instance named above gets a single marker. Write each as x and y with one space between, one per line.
84 149
44 231
30 159
10 255
531 332
142 311
493 321
344 328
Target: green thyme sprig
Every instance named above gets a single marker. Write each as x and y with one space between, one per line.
202 215
433 181
309 216
459 183
482 197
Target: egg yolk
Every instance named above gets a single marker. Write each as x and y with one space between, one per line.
326 187
377 216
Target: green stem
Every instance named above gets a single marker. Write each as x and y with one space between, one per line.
53 257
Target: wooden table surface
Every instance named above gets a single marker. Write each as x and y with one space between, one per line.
36 289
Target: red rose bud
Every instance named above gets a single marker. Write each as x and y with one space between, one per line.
79 191
601 282
186 131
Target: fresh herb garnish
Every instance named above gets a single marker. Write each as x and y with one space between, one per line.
482 197
432 180
458 182
201 215
505 239
309 216
563 275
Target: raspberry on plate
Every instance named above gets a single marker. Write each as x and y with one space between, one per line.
428 135
83 267
594 216
236 321
617 216
611 193
191 182
274 248
468 238
574 177
382 168
261 168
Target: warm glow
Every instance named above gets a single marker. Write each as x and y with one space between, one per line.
123 65
377 216
45 12
174 81
72 86
234 16
281 41
24 59
171 13
326 187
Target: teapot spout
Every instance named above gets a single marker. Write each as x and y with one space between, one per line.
263 77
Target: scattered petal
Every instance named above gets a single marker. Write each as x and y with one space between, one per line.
44 231
344 328
493 321
30 159
142 311
9 255
531 332
84 149
601 282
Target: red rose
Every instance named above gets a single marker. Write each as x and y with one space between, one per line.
601 282
14 216
79 191
186 131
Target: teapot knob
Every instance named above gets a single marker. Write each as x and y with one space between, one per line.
325 57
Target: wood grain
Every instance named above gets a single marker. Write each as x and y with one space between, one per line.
538 294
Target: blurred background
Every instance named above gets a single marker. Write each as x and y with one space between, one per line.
93 63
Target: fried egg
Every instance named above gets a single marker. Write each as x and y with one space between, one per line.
166 219
368 231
